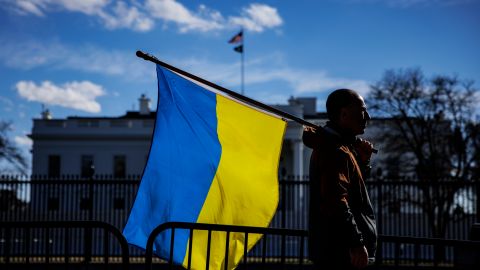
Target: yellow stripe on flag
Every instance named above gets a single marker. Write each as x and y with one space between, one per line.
245 188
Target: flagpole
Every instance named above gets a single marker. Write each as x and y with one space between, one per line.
231 93
236 95
242 60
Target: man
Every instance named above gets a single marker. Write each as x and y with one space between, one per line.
342 224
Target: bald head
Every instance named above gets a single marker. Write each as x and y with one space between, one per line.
338 99
348 111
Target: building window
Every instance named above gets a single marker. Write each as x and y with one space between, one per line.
86 165
54 166
119 166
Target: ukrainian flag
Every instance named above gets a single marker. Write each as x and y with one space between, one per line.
214 160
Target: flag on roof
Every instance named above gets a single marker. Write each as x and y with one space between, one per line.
237 38
213 159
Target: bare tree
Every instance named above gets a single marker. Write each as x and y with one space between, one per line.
10 154
431 134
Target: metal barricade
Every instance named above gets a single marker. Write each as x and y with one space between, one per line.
61 243
291 261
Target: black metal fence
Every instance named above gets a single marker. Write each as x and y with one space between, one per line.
445 209
401 252
399 205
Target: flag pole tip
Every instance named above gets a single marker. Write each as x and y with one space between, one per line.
146 56
149 57
141 54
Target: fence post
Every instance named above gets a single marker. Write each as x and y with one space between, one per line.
379 205
88 232
379 218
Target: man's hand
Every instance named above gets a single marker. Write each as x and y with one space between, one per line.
364 149
309 129
359 257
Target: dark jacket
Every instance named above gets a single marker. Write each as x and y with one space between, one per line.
341 214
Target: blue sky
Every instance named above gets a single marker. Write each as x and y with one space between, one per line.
78 57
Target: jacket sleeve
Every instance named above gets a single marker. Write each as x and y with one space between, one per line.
336 191
312 138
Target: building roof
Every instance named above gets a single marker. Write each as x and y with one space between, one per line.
128 115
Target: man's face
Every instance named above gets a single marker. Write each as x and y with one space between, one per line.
355 117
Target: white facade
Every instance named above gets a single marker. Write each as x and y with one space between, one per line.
101 138
119 146
65 146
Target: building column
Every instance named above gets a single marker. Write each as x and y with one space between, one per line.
297 158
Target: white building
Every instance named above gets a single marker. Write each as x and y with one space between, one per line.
119 146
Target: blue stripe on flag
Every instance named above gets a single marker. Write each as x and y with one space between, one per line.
183 160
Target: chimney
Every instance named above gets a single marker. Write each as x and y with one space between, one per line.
46 114
144 105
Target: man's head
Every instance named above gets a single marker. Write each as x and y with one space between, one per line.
347 109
